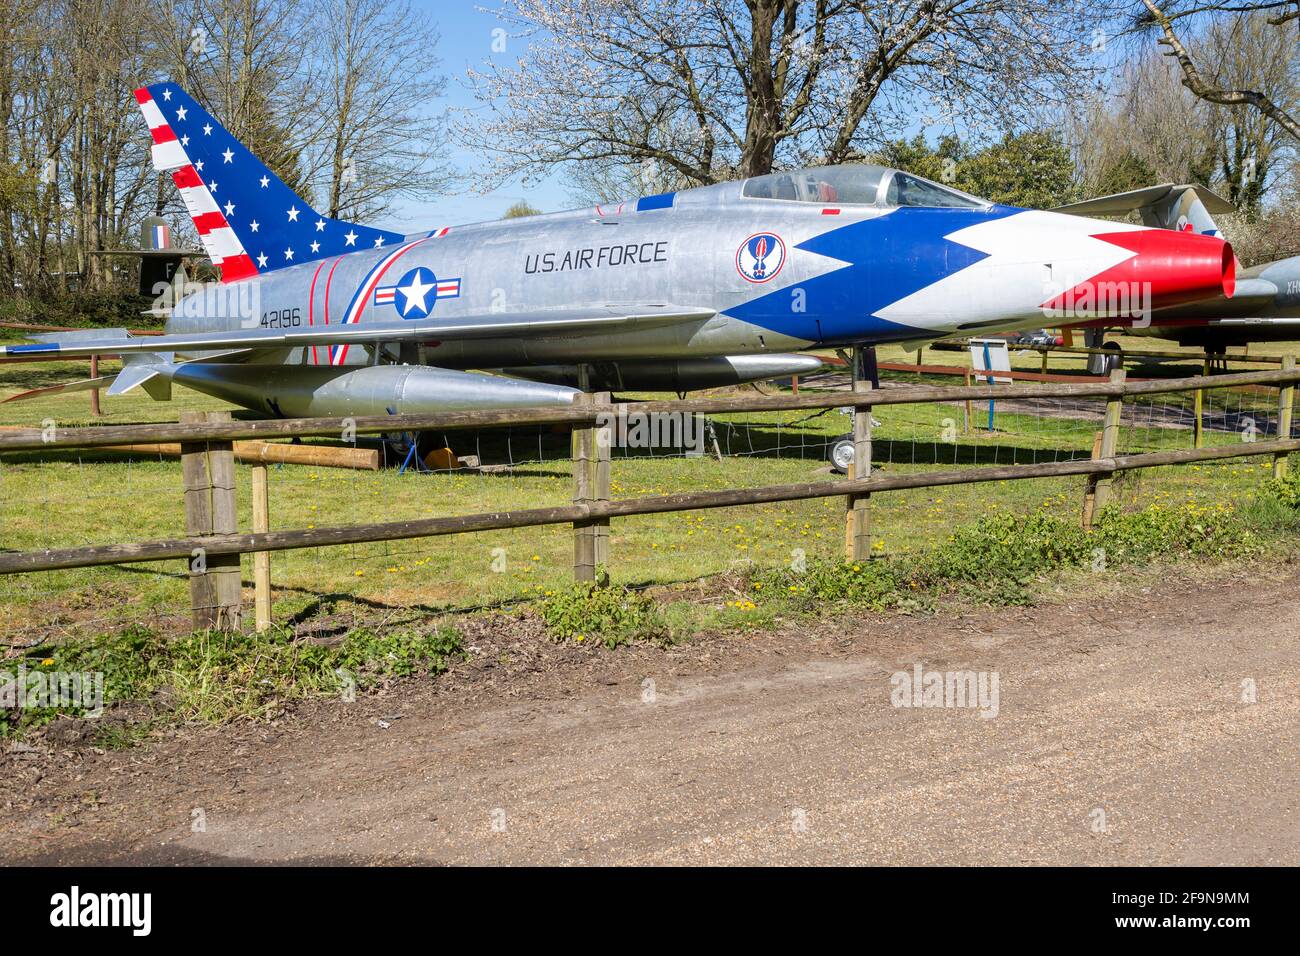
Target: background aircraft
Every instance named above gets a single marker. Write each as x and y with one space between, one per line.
1265 307
703 287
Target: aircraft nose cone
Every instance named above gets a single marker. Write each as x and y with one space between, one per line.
1177 267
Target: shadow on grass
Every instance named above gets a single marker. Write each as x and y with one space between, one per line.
549 458
943 453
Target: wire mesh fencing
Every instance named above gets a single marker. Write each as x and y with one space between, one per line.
68 498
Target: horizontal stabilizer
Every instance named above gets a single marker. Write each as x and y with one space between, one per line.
1250 295
1256 289
1185 208
134 376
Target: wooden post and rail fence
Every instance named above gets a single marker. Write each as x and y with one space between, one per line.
213 544
1208 362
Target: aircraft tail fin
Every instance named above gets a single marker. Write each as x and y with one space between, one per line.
158 258
249 221
1184 208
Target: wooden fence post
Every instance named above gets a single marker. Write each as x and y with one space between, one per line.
965 408
94 392
1198 410
208 470
857 530
1100 485
584 532
261 559
1285 399
1090 485
604 440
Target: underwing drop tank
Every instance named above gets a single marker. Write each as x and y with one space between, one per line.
321 391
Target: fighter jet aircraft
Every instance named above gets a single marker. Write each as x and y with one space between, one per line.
1265 306
691 289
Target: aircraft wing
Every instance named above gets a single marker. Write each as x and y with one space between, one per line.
490 325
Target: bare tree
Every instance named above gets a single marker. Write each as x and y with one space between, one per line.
374 78
73 159
1275 232
334 95
246 62
1249 51
707 89
1146 128
1207 85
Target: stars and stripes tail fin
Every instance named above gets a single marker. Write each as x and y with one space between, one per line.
248 219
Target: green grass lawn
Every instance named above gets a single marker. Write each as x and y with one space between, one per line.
67 499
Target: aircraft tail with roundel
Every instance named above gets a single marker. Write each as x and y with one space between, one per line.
249 221
1185 208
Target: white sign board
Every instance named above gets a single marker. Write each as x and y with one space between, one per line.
991 355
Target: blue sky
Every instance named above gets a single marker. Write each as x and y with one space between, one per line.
467 41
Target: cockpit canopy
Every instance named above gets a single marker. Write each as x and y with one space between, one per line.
857 185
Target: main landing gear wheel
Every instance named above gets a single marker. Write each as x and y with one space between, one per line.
841 454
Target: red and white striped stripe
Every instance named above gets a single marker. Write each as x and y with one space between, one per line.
367 289
167 150
219 240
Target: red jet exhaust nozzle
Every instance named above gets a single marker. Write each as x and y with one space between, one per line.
1169 268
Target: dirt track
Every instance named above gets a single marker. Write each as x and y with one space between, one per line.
1135 710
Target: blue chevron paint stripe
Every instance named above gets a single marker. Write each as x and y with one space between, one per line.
886 259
